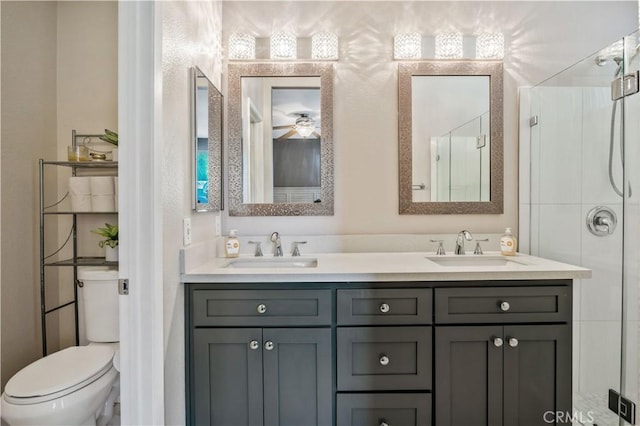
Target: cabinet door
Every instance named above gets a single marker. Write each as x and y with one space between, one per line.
227 388
297 377
537 374
468 376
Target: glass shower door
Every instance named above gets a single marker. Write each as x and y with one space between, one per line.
630 374
578 131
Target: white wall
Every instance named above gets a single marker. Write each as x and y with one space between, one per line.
28 133
191 36
541 38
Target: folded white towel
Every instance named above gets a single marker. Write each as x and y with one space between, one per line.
79 185
102 185
80 203
103 203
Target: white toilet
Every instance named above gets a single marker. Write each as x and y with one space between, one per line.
77 385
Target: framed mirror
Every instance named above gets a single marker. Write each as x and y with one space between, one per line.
206 128
280 139
450 137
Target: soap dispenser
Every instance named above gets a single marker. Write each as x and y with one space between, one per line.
508 243
232 245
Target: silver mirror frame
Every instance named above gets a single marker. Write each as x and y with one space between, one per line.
406 70
215 193
235 73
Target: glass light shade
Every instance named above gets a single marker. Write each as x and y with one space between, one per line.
324 45
242 46
283 46
490 46
305 131
407 46
305 125
449 45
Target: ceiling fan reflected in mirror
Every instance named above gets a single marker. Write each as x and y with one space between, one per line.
304 126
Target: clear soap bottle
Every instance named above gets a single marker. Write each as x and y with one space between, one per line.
508 243
232 245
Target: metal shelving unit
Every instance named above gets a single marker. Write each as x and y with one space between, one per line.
76 260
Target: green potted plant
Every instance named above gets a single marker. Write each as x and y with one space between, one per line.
112 138
110 243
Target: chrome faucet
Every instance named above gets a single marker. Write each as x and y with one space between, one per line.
462 235
277 245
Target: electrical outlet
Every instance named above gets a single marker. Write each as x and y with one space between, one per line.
186 231
218 226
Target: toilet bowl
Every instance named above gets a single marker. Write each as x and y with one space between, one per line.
77 385
69 387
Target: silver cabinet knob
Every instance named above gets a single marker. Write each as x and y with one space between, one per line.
384 308
513 342
497 342
384 360
253 345
383 423
262 308
505 306
268 345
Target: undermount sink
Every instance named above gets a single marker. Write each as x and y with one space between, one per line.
475 261
274 262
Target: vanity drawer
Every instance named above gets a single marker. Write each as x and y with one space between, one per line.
384 358
384 306
261 308
413 409
502 304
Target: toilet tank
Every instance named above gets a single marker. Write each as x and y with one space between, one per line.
100 299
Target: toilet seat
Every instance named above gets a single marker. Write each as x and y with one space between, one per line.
59 374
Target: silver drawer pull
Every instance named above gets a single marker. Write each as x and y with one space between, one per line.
383 423
505 306
497 342
262 308
384 308
513 342
268 345
253 345
384 360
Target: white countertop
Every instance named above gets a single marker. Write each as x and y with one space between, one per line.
363 267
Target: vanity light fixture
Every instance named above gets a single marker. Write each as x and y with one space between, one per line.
324 46
449 45
490 46
242 46
283 46
407 46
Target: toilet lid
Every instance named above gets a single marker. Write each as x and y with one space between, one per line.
59 371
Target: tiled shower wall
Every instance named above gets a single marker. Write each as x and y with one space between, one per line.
567 155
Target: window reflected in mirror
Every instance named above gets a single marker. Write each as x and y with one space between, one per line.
207 143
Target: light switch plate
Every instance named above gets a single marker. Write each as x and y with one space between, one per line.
218 226
186 231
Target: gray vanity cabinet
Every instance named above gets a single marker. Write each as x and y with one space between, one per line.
249 375
502 373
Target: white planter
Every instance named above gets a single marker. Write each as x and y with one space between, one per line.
111 254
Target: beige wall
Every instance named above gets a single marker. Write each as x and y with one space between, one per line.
87 100
191 34
28 133
541 37
59 73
